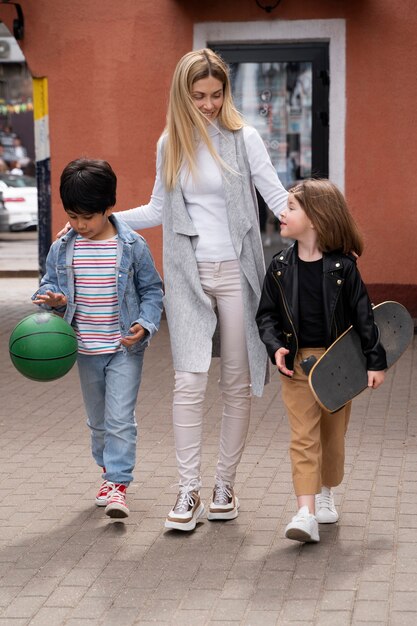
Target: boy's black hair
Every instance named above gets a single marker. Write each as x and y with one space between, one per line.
88 186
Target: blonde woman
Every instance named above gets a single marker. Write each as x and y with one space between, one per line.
208 163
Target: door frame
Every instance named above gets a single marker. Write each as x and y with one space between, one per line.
296 31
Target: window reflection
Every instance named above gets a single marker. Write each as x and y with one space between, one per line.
276 98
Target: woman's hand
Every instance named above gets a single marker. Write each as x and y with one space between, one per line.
375 379
137 332
64 231
280 361
54 300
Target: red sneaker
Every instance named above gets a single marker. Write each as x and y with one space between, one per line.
116 501
103 494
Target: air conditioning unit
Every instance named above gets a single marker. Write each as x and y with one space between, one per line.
4 49
10 51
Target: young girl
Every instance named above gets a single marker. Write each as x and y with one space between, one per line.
312 293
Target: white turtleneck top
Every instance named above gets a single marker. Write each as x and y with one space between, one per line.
204 197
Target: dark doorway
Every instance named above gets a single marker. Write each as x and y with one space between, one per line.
283 91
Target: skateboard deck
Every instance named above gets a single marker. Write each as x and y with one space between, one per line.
340 374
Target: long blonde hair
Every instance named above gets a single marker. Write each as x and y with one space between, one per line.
326 207
184 120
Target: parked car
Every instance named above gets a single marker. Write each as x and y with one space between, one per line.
20 198
4 215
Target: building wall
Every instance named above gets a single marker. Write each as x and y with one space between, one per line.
108 76
109 70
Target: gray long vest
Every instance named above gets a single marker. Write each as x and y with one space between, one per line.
191 319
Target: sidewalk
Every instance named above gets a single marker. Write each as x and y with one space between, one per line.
19 253
63 563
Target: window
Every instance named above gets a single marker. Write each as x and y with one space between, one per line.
283 90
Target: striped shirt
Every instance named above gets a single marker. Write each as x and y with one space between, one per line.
96 319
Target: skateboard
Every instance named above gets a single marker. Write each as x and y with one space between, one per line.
340 373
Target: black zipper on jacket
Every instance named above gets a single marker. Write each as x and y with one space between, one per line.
332 319
284 301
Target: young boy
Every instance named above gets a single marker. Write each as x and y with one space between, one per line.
101 277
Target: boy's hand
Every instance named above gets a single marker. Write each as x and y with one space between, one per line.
137 332
52 299
64 231
375 378
280 361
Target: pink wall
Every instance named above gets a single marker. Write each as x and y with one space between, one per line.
381 125
109 70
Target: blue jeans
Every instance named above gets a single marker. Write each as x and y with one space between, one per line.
110 385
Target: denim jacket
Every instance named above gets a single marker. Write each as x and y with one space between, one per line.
139 286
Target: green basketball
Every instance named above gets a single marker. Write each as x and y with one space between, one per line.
43 346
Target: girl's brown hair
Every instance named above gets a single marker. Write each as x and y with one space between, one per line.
326 207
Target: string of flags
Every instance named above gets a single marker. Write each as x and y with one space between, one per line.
21 107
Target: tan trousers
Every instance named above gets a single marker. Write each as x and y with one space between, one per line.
317 448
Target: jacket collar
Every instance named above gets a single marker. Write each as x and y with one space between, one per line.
332 261
288 256
124 232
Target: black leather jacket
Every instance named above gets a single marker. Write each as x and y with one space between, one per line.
346 302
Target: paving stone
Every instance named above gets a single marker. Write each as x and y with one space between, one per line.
337 600
51 616
400 618
261 618
370 611
299 610
334 618
23 606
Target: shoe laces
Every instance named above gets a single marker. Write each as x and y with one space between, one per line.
116 493
104 489
326 500
185 501
222 492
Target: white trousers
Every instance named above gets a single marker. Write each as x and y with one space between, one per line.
221 282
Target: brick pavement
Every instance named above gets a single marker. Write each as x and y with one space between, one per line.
63 563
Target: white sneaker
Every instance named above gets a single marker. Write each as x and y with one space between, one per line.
303 527
325 509
186 511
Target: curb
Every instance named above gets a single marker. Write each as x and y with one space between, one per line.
19 274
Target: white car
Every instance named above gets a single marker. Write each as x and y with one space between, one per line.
20 197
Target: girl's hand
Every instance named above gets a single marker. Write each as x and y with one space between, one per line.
375 379
137 332
52 299
280 361
64 231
